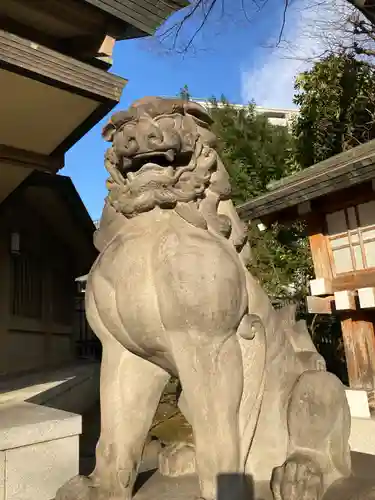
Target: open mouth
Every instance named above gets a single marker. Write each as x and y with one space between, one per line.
155 159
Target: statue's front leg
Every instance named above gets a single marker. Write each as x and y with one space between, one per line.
319 428
210 370
130 390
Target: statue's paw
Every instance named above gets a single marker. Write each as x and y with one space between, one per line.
78 488
85 488
312 361
177 459
299 478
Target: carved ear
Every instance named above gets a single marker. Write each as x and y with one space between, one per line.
117 119
198 111
108 131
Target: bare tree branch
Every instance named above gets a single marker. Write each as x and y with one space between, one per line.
203 22
283 22
201 11
352 30
336 27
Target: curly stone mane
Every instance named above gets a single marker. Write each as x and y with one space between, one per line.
162 155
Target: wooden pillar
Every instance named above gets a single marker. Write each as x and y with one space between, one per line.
318 246
359 342
357 325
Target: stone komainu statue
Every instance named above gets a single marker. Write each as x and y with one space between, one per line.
170 295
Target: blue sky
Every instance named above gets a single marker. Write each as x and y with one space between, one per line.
231 56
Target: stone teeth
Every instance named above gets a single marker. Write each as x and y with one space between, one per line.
170 155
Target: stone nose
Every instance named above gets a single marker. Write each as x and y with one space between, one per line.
150 137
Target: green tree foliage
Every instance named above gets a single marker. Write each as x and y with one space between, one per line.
337 112
337 108
281 262
256 153
184 93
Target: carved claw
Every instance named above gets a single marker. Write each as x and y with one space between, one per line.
312 360
78 488
299 478
84 488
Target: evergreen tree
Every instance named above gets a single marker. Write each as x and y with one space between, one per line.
336 99
255 152
184 93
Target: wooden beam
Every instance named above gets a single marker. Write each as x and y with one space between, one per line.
85 47
345 300
88 45
304 208
319 250
107 46
319 305
71 13
321 287
58 70
355 280
366 297
143 14
28 32
359 342
105 53
331 175
31 160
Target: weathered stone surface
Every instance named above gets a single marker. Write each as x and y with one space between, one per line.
24 424
177 460
170 294
358 487
36 471
159 487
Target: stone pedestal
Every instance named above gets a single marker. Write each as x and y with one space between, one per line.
361 486
38 450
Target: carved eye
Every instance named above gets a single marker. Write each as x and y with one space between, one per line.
166 122
128 126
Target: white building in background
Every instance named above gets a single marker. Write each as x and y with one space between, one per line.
276 116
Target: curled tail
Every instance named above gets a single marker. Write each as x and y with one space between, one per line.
252 340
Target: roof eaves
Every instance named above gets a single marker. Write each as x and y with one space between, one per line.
146 15
339 172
